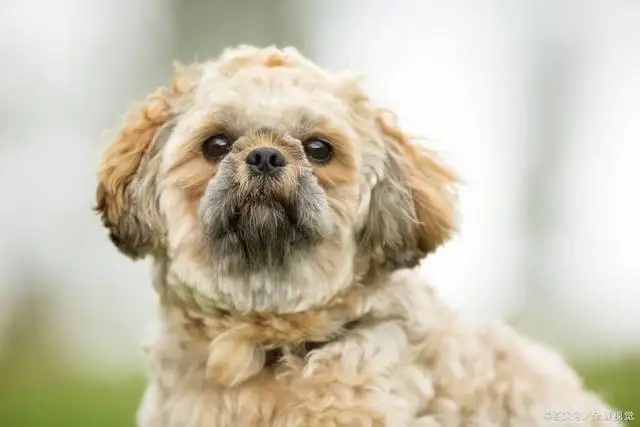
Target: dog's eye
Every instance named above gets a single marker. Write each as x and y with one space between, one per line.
216 147
318 150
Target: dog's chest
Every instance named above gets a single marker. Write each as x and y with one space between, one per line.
293 393
286 400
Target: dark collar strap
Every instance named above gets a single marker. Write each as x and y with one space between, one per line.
274 355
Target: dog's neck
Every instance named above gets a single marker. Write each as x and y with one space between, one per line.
205 318
258 339
270 330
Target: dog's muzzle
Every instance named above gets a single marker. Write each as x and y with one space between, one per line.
260 212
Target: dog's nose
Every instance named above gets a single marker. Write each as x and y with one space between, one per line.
265 160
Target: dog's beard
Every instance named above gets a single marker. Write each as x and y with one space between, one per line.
257 229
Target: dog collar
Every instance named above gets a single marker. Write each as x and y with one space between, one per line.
274 355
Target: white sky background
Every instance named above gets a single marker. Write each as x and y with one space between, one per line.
68 76
457 72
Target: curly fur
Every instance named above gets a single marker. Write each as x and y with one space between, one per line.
375 211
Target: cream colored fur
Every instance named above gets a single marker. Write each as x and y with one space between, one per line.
414 363
409 361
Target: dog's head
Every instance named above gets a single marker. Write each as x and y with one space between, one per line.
266 183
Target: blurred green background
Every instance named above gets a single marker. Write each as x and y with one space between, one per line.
533 102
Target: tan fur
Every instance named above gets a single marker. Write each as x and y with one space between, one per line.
122 160
409 361
430 184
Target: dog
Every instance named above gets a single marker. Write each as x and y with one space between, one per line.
285 214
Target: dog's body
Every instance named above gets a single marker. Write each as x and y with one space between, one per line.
413 363
284 214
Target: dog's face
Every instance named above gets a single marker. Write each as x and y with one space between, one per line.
263 182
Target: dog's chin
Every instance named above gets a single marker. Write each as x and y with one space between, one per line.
251 234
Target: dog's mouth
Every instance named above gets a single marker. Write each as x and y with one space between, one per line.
258 227
261 209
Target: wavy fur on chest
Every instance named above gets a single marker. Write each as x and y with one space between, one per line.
410 362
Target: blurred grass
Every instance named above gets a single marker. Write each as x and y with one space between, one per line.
54 399
41 396
618 382
37 389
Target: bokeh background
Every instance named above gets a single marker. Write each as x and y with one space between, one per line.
534 102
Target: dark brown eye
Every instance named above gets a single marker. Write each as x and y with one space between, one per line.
318 150
216 147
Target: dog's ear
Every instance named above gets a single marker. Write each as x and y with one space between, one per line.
411 207
126 192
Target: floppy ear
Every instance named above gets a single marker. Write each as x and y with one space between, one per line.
411 207
126 191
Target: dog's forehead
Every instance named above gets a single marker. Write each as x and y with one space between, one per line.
270 96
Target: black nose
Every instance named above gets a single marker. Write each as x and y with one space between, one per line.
265 160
